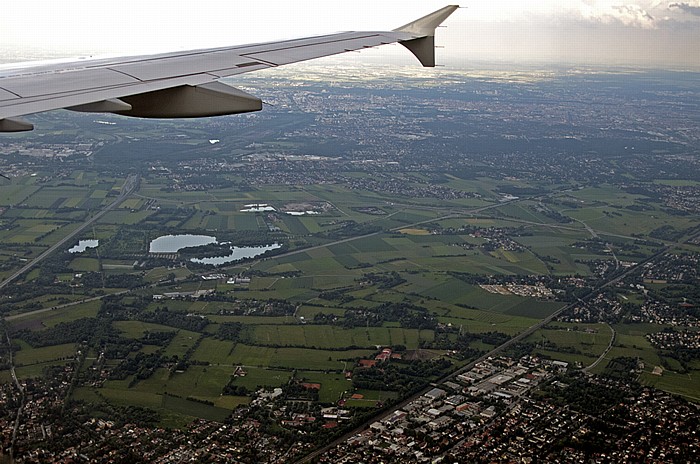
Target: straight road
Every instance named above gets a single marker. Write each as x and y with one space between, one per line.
15 317
129 186
521 336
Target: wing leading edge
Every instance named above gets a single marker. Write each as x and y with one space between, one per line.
184 84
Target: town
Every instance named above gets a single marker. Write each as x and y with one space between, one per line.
503 268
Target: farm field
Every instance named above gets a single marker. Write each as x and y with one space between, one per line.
383 259
332 337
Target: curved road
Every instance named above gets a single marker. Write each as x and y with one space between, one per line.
605 353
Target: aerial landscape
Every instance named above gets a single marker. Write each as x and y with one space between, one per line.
483 263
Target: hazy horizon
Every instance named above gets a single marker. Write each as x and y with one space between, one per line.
600 33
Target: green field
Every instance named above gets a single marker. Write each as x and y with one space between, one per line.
581 343
685 385
215 352
28 355
85 265
136 329
335 337
458 292
260 377
56 316
411 253
295 358
183 341
369 398
333 386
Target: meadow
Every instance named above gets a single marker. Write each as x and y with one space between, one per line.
328 276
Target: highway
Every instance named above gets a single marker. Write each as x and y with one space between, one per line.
521 336
129 186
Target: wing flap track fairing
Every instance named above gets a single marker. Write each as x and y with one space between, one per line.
184 84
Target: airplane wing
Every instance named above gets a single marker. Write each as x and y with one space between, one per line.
183 84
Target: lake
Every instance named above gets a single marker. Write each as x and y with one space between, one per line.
175 243
84 245
237 253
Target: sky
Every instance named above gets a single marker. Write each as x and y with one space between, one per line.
647 33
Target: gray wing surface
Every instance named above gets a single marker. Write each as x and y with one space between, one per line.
183 84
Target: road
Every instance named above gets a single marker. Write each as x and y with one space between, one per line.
593 233
129 185
18 417
14 317
605 353
132 182
521 336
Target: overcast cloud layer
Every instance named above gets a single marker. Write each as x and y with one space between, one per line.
597 32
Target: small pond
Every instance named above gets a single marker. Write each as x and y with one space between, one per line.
84 245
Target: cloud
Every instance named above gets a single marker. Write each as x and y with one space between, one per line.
634 15
687 7
612 13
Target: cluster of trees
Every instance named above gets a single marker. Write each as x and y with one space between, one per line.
200 400
325 319
118 347
74 425
96 332
403 377
249 307
232 389
100 280
350 229
205 251
43 284
340 295
623 367
667 232
141 366
553 214
384 281
157 338
119 308
80 330
179 320
259 273
520 279
590 397
410 316
684 355
675 294
125 242
229 331
295 390
462 344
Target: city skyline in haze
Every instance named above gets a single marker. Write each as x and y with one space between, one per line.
647 33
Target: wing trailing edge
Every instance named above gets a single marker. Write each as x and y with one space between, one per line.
183 84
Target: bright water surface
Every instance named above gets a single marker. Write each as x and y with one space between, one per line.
174 243
237 253
84 245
